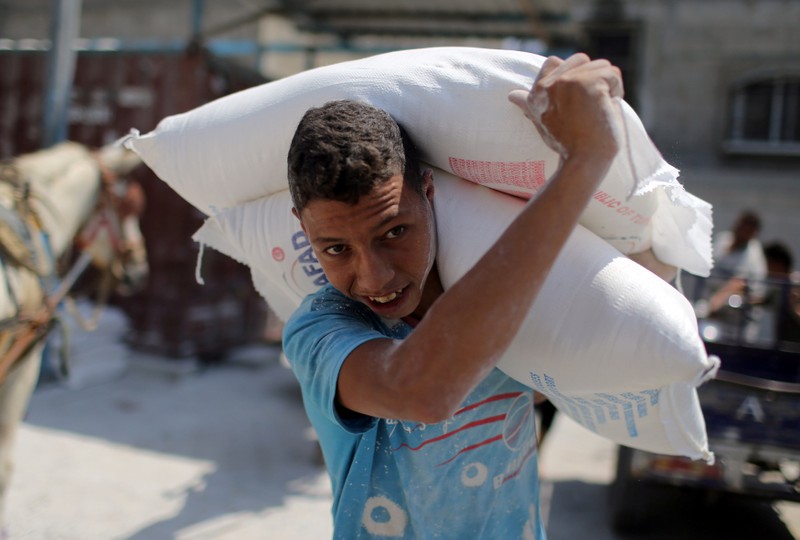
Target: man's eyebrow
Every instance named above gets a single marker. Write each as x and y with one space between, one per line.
326 240
387 220
380 225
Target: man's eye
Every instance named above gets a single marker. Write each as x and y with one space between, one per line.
335 250
396 231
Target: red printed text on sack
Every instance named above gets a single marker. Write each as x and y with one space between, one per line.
621 208
521 174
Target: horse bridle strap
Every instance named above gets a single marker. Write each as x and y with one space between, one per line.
20 227
30 328
35 326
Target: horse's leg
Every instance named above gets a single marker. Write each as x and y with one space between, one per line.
15 393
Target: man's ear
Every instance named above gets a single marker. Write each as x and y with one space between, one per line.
297 215
427 184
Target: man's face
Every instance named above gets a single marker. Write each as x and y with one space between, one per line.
743 231
379 251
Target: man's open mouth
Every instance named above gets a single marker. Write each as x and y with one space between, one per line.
387 298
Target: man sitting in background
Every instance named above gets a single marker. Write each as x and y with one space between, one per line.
784 294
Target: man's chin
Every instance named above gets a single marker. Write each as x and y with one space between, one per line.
396 308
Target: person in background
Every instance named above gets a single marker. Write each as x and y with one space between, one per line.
738 252
784 294
780 262
738 260
735 288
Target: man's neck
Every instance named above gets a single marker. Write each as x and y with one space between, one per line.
432 290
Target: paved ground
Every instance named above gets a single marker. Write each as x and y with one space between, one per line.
135 446
140 447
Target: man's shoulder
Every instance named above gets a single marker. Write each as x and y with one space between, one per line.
328 306
329 311
329 300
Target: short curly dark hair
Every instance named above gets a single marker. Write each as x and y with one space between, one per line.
778 252
342 149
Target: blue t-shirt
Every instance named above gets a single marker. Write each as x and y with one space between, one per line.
472 476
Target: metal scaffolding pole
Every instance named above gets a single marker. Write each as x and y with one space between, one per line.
198 12
65 29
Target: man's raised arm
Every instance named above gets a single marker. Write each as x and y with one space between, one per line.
462 336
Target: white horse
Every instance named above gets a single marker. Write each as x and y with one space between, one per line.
49 201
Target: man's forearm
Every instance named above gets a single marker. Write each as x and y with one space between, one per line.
470 326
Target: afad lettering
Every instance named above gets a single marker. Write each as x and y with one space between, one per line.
307 261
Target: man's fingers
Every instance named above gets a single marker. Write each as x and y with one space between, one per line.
550 65
578 81
603 70
520 99
554 67
574 61
615 85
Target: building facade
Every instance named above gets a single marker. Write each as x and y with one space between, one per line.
716 82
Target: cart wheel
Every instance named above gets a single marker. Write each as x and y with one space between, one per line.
627 496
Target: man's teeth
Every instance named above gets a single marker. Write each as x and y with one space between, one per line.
385 299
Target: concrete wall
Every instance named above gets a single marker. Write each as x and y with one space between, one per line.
688 53
691 51
694 51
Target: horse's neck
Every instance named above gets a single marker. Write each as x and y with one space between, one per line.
65 182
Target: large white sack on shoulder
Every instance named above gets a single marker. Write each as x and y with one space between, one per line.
616 307
264 235
677 225
281 300
614 346
453 101
660 213
576 345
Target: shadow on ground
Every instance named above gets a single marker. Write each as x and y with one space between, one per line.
577 507
246 421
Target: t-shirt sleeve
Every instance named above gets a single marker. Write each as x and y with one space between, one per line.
316 340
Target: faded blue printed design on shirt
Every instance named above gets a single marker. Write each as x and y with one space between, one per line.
472 476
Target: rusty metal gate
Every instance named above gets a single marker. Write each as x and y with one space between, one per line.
113 92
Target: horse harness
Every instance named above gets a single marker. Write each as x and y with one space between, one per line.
24 244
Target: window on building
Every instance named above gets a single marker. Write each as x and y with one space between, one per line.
764 117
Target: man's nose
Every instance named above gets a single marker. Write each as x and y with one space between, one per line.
375 272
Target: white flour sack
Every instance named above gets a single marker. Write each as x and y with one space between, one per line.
612 345
453 102
264 235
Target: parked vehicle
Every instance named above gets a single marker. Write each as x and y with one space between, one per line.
752 408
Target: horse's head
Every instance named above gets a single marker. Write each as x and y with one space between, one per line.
111 234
